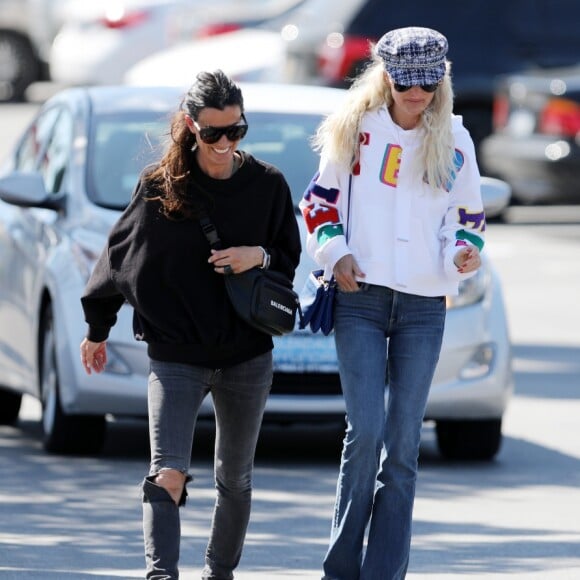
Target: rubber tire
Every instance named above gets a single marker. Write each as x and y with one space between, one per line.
62 432
478 440
9 406
20 65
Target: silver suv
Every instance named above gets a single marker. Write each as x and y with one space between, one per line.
27 29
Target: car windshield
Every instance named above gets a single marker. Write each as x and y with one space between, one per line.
121 147
284 141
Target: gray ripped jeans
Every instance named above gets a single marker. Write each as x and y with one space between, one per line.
175 394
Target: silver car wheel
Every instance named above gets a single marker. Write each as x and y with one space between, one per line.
63 432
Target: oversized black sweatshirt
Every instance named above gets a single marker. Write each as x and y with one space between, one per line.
159 266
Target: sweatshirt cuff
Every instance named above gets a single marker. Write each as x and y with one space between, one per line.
98 333
331 252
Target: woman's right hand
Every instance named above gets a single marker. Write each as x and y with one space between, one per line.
346 271
93 355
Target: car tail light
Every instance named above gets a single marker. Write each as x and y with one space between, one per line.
340 56
121 18
560 117
215 29
500 111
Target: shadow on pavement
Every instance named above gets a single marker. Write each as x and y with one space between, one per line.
80 517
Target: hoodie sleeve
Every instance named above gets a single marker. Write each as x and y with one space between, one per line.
464 221
324 208
101 300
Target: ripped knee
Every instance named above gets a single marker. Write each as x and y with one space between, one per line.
166 485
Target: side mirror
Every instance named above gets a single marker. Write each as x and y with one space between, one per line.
28 190
496 195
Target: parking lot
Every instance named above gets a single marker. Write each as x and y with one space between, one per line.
76 518
513 517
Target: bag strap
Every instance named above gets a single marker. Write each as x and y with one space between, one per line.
327 275
209 230
348 206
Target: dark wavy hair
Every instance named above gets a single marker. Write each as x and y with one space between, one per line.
171 178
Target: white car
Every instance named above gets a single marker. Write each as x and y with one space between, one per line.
64 185
249 54
100 41
27 30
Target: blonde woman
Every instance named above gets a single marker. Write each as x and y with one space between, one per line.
395 213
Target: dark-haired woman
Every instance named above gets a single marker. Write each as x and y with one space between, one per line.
159 260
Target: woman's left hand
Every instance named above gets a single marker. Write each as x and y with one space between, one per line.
467 259
238 258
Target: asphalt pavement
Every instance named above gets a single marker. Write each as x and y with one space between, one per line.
515 518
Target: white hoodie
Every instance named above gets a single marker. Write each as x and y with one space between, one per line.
402 233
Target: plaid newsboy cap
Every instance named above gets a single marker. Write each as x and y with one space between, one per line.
413 55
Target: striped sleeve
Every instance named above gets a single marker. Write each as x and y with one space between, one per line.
322 210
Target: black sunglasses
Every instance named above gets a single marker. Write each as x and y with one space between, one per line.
404 88
211 135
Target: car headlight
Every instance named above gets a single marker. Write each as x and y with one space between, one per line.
471 290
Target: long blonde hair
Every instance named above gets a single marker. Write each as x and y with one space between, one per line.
337 136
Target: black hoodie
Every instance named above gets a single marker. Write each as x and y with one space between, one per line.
159 266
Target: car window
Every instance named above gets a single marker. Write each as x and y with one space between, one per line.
283 141
57 153
120 148
35 140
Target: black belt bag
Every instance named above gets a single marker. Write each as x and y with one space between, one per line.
265 299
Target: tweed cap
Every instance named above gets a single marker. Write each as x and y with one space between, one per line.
414 55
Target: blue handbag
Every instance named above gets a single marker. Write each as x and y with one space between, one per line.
317 303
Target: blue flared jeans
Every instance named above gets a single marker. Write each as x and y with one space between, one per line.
175 394
382 337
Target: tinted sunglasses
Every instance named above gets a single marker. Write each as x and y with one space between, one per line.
404 88
211 135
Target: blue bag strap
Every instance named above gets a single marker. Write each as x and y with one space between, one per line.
348 206
348 209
